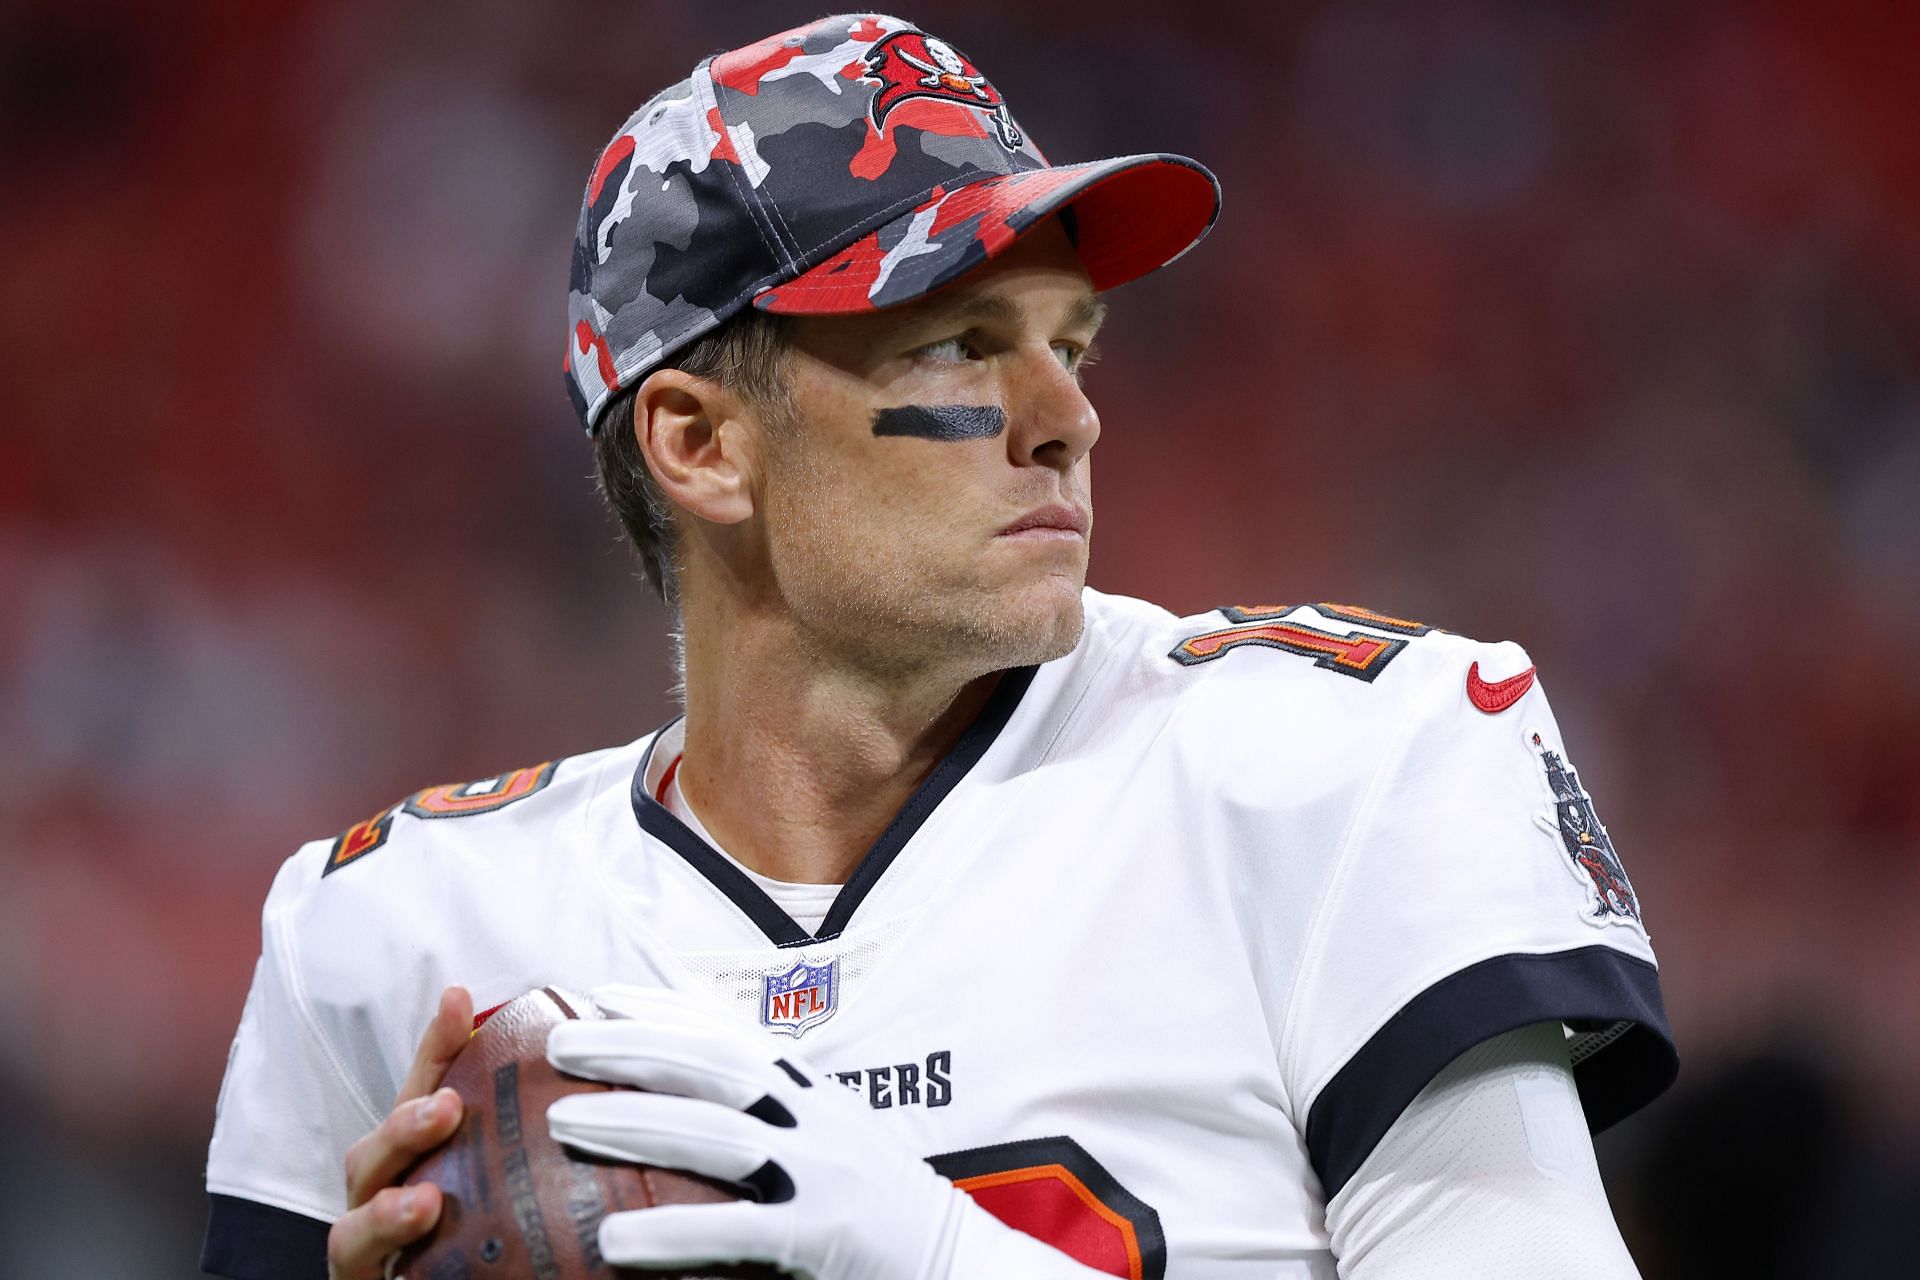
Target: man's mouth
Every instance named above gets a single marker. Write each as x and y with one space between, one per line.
1057 520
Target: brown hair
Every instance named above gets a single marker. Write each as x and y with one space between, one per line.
747 355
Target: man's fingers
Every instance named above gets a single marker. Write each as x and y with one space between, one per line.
410 1131
358 1244
658 1129
694 1235
667 1058
445 1036
380 1216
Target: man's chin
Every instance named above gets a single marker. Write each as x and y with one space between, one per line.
1038 623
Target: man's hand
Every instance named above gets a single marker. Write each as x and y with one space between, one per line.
838 1194
382 1217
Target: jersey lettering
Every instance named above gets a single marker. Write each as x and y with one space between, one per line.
904 1084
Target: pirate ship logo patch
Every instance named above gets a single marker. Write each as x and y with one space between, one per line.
913 64
1590 853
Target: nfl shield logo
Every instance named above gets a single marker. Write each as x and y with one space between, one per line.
801 997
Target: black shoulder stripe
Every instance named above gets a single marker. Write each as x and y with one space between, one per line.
1595 984
247 1240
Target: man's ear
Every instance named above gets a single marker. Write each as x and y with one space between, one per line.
695 443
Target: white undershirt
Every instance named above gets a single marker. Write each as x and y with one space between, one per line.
806 904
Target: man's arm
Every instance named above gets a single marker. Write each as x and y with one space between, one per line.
1489 1173
1456 910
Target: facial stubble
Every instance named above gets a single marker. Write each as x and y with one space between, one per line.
879 613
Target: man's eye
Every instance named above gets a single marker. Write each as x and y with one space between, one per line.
1075 358
947 351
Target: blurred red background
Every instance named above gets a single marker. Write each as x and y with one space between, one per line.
1591 326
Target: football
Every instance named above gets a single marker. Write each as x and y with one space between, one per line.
516 1204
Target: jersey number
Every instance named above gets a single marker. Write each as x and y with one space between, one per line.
454 801
1054 1191
1354 654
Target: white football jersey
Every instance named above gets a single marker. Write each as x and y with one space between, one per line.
1148 964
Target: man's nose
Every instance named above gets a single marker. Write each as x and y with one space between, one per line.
1051 421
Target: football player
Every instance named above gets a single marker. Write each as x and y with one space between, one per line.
982 924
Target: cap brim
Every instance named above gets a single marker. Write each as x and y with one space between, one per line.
1131 215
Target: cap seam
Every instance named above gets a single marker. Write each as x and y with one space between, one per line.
752 196
791 239
710 100
782 248
749 197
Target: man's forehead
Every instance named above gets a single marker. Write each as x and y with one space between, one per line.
987 305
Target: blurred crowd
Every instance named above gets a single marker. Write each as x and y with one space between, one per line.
1591 326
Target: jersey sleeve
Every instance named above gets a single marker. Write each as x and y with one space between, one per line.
1474 891
1489 1172
286 1115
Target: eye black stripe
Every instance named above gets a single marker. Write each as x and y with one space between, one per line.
944 422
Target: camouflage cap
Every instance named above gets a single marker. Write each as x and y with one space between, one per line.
847 165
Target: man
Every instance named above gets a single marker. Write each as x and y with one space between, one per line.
1279 941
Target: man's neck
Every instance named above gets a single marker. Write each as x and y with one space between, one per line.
797 764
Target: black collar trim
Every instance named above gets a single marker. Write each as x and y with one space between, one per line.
660 823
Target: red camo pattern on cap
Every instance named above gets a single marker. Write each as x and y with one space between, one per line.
929 115
744 69
849 164
1130 221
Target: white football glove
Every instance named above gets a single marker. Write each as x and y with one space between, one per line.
840 1196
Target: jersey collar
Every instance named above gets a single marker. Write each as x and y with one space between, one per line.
660 823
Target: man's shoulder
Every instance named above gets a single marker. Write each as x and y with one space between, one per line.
450 883
1318 668
1278 706
441 839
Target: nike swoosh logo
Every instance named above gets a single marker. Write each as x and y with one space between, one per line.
1501 694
